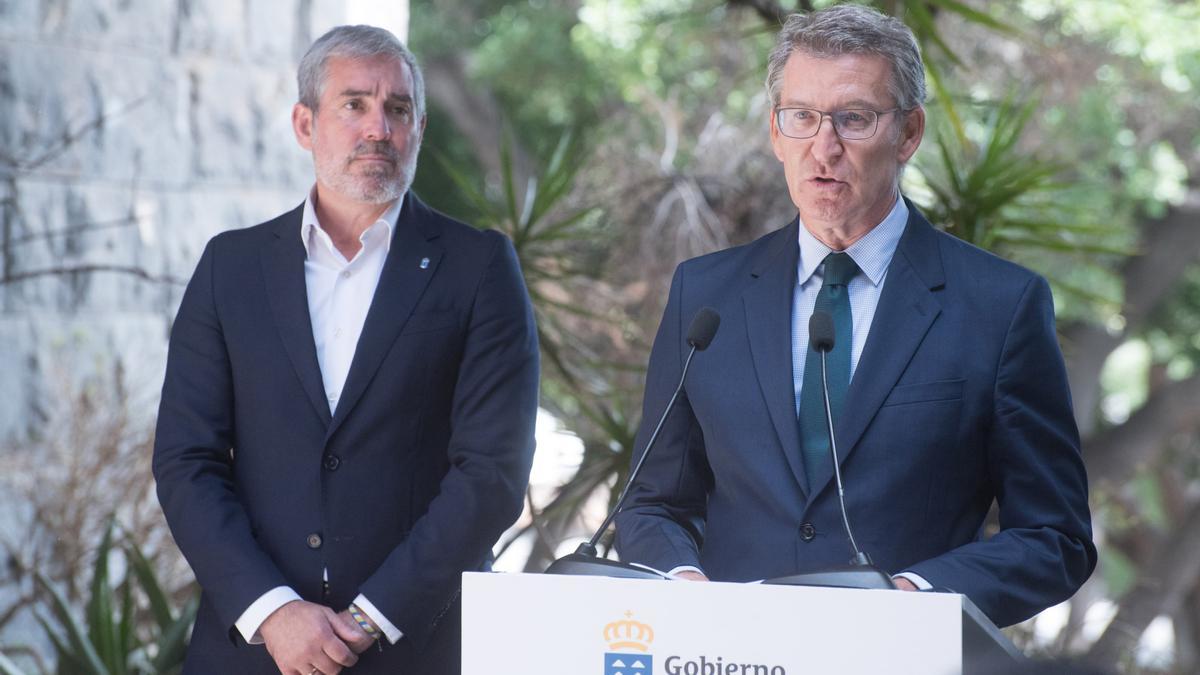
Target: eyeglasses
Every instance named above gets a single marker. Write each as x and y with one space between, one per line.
850 125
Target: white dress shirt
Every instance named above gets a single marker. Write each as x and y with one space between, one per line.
339 296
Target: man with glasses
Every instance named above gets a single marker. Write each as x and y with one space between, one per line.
946 385
347 419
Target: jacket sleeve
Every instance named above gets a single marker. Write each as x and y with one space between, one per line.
1043 551
490 453
192 462
663 524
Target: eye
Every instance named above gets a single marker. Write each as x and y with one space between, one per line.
853 117
352 104
801 115
401 111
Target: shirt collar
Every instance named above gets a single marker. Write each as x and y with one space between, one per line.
310 227
872 253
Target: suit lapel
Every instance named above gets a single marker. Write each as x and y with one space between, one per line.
403 280
283 272
906 310
768 306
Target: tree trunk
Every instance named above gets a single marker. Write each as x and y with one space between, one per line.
1161 587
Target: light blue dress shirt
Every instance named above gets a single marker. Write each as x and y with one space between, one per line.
873 254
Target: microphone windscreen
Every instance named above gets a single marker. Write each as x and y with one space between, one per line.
704 328
820 331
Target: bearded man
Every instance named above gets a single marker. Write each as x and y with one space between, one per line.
347 418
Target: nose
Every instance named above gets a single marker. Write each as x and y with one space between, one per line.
827 145
376 126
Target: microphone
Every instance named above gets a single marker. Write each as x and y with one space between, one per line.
861 573
585 561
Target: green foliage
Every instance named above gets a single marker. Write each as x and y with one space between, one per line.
108 642
992 192
553 241
921 17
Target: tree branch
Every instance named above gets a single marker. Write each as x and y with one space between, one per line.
92 268
1161 587
770 11
1113 455
1170 245
476 115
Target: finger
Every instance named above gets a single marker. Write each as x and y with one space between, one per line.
326 665
337 651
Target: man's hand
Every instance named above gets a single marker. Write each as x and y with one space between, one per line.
904 584
689 575
361 640
305 637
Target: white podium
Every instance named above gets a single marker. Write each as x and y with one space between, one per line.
529 624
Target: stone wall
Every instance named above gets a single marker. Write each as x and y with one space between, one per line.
131 131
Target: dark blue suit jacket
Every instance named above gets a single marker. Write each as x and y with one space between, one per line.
408 483
960 398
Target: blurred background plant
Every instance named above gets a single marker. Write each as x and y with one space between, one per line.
129 627
91 537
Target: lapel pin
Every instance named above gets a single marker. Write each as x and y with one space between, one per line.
424 263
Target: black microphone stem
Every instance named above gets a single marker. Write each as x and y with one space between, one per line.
860 558
589 547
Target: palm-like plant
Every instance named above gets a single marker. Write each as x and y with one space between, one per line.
581 382
993 193
108 641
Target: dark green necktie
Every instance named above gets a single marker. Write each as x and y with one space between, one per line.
834 298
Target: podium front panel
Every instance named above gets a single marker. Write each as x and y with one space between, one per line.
527 624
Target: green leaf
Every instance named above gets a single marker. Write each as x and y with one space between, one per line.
160 607
975 16
101 627
507 181
75 643
7 667
172 643
126 638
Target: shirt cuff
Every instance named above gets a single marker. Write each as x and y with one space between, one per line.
389 629
258 611
917 579
685 568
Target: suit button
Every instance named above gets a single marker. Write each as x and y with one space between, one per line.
332 462
807 532
314 540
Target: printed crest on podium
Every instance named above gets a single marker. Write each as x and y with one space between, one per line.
628 647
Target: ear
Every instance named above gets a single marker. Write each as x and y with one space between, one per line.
777 139
421 129
302 124
911 134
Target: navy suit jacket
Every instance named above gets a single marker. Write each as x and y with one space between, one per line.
406 485
959 399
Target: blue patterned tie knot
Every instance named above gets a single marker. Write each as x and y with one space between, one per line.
839 269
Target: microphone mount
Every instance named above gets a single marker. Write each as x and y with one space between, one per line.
585 561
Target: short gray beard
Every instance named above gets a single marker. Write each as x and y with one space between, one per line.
379 185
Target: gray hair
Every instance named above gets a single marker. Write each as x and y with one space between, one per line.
354 42
852 29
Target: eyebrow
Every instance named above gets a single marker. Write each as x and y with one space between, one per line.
352 93
857 103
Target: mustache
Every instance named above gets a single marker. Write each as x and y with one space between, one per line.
380 148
